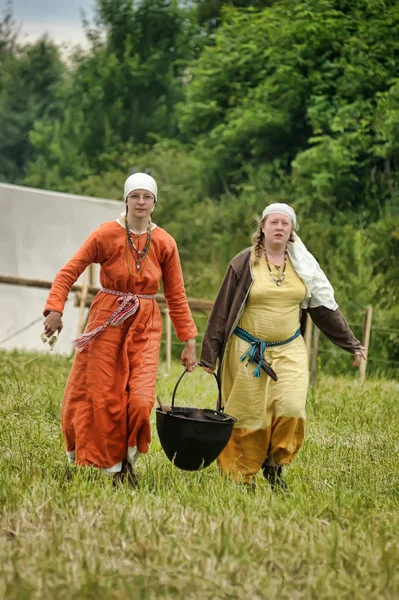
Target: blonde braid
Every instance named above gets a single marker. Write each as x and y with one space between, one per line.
258 239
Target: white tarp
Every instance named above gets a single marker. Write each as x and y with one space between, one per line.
40 231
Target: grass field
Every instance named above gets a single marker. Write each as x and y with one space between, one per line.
67 533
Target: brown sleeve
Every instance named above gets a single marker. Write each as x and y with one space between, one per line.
334 325
216 327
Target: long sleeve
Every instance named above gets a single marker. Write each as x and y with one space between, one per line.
175 294
334 325
215 333
87 254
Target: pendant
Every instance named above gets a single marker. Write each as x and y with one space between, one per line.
278 282
137 265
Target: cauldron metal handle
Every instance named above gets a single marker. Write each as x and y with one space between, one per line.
219 402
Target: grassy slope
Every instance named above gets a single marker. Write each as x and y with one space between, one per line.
66 533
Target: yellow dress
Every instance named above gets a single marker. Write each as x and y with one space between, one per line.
270 414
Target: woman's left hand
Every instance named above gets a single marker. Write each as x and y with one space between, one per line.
358 355
189 356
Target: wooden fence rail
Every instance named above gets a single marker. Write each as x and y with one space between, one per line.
86 292
196 304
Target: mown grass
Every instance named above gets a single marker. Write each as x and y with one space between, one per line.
67 533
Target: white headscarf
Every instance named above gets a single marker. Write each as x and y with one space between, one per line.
280 207
140 181
319 290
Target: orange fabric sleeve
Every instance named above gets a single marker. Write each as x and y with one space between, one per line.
175 294
87 254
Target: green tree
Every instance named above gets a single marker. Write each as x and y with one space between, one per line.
210 11
299 89
123 90
8 34
28 92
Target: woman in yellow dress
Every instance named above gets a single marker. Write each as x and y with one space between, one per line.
254 334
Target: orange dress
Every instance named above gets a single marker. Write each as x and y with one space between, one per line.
111 388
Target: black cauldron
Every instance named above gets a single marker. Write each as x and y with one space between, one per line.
192 438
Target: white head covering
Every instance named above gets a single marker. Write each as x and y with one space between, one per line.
319 291
140 181
280 207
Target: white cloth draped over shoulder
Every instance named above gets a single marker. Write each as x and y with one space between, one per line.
319 290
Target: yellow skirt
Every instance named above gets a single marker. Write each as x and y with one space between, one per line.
270 414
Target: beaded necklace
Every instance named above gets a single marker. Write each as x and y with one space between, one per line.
139 256
279 277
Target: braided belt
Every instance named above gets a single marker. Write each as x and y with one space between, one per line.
128 305
257 349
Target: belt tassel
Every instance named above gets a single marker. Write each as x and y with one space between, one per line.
128 306
256 350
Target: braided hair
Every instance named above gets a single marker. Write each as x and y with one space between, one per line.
257 239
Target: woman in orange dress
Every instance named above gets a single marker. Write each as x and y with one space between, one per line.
111 388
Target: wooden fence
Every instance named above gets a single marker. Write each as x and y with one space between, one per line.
85 293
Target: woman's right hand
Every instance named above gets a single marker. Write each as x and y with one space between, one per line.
52 323
361 353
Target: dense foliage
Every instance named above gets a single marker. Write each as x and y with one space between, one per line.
231 105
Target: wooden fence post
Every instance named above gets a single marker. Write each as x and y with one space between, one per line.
313 360
168 328
82 302
365 342
308 337
92 275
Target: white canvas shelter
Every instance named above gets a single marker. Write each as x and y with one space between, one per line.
40 231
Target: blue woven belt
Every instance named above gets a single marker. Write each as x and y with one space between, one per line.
257 345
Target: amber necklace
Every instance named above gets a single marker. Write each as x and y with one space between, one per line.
139 256
279 277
